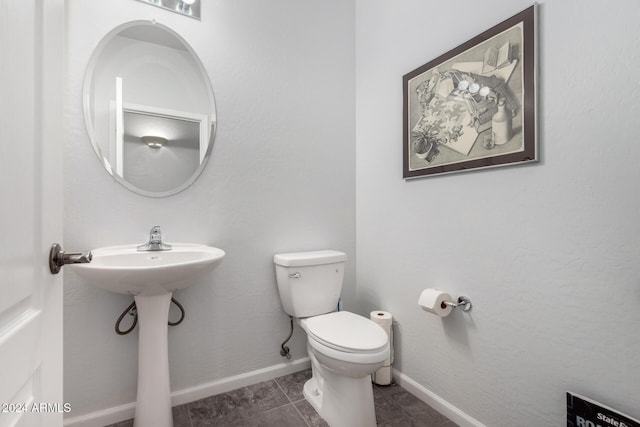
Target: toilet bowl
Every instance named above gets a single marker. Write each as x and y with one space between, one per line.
344 348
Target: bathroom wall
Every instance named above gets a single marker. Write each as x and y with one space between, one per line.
281 178
547 252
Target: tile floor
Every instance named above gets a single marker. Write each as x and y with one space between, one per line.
280 403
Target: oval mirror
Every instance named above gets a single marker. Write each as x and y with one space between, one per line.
149 109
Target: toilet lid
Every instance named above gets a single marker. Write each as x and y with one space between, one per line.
347 331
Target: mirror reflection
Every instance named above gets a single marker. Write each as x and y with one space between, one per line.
149 109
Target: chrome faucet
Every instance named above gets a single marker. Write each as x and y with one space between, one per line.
155 241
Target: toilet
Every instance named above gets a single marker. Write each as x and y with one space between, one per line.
344 348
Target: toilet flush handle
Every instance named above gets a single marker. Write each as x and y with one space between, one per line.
295 275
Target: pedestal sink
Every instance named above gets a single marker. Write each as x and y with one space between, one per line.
151 277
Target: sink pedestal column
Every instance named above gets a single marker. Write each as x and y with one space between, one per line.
153 405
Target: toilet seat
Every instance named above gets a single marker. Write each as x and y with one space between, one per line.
347 332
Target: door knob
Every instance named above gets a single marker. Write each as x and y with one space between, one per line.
58 258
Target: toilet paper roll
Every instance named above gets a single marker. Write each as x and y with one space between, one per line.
383 318
432 301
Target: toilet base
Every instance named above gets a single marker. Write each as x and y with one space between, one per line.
341 401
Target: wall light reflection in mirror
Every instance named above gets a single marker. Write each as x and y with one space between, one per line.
154 141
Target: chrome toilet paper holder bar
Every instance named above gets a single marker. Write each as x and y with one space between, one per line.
463 303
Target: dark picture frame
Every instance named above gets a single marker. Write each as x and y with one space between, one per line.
474 106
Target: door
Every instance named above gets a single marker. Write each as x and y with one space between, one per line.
31 129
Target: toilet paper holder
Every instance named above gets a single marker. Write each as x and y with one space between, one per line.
463 303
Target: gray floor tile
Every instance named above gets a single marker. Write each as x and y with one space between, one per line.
401 420
284 416
269 404
393 399
309 414
292 384
128 423
237 404
387 391
389 413
181 416
417 410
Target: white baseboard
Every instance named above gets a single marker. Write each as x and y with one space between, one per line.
180 397
436 402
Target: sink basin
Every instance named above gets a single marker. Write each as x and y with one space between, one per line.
124 270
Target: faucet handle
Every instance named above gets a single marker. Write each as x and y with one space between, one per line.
155 234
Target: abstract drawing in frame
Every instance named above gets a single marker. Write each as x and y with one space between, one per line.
474 106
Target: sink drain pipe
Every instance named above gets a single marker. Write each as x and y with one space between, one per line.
132 311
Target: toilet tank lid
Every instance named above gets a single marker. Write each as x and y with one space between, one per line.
298 259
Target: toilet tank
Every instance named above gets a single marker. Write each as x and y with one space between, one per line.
309 283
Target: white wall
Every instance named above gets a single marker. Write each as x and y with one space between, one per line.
548 253
281 178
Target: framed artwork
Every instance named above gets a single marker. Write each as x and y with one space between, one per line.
474 106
